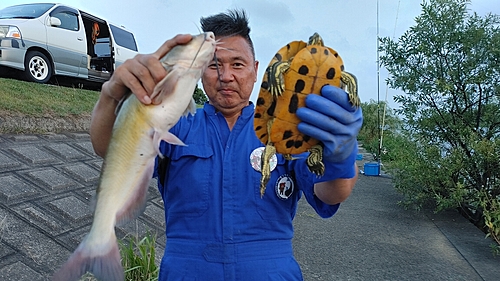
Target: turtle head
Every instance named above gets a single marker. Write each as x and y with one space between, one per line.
315 39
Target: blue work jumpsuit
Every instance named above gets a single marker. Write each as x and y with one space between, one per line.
217 225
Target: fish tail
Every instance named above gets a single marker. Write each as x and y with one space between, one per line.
102 260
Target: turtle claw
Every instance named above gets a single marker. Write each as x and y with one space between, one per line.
276 79
315 160
290 157
350 82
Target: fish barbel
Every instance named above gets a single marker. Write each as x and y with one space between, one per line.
129 161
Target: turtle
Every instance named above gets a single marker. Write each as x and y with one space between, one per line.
296 70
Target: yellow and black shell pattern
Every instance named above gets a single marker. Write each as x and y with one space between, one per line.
308 67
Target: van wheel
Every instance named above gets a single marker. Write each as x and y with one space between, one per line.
37 67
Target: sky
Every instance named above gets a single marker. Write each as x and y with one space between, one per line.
350 27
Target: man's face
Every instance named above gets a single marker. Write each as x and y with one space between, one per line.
229 88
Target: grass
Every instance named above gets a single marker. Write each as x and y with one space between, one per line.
42 100
138 259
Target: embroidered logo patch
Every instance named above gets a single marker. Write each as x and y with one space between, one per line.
284 187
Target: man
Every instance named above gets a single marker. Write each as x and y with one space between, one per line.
217 225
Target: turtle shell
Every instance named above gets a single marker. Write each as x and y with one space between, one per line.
310 68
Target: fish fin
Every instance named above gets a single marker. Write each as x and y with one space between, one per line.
168 137
165 86
172 139
191 109
102 260
156 143
137 203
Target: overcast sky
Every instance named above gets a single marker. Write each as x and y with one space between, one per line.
348 26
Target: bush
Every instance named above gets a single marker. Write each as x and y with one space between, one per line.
447 66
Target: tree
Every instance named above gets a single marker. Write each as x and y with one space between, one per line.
371 134
199 96
448 66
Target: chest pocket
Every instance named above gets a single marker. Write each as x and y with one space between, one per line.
187 185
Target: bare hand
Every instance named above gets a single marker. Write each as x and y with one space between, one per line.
142 73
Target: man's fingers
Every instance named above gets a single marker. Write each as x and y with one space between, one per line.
179 39
149 71
321 121
334 110
152 68
134 76
141 74
338 96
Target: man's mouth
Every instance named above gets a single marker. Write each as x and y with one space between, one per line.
226 91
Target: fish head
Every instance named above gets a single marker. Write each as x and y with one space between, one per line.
197 53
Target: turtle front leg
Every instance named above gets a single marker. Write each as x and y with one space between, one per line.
315 160
350 82
276 79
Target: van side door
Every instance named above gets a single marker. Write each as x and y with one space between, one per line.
67 43
124 44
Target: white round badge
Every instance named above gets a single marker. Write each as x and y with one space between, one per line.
256 156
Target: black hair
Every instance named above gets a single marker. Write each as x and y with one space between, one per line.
232 23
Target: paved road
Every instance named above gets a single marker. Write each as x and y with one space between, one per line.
372 238
46 182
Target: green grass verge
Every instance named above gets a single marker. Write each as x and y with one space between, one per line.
42 100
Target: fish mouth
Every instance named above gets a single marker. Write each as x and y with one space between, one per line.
209 36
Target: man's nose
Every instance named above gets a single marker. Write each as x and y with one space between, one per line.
226 74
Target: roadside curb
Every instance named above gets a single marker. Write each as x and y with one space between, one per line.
30 125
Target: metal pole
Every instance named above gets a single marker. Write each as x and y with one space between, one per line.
378 89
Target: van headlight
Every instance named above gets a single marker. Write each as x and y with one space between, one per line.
9 31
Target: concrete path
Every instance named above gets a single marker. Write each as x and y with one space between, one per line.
46 182
372 238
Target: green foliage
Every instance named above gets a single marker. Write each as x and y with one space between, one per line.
138 258
491 215
448 67
374 114
370 131
199 96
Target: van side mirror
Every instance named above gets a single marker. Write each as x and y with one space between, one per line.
54 21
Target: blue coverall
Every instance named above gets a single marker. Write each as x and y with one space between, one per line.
217 225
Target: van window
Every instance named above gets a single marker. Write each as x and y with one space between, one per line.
123 38
101 48
69 20
28 11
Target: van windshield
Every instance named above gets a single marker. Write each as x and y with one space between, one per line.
28 11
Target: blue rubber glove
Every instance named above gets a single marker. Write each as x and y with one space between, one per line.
331 119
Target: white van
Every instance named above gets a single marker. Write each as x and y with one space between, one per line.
53 39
